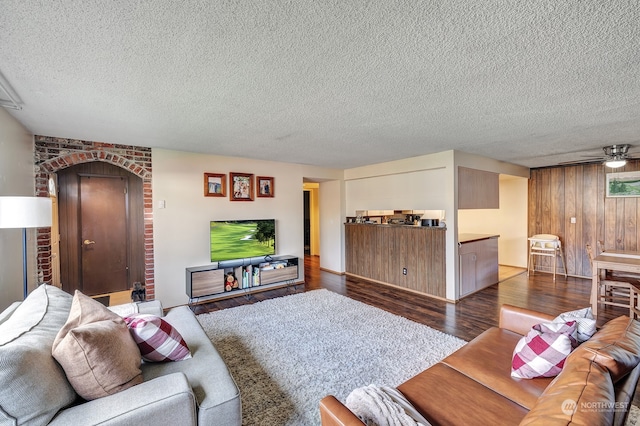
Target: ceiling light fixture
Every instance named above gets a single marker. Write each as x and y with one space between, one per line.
614 163
616 155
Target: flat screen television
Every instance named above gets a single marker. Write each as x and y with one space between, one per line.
242 239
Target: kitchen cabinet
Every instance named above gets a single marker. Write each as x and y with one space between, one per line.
478 189
478 262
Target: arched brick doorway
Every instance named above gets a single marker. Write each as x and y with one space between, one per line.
54 154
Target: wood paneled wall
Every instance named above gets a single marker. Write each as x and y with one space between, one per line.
380 252
556 194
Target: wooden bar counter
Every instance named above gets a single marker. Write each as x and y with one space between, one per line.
410 257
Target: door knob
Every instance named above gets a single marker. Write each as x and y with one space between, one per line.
88 242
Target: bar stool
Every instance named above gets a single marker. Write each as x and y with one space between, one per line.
546 245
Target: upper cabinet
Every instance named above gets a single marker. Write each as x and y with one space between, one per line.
478 189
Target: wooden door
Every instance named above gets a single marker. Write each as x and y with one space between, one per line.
103 234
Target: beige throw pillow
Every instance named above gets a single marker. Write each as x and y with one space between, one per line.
96 351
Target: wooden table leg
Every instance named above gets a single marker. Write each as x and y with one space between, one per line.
594 290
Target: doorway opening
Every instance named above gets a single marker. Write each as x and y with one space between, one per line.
101 222
311 218
307 222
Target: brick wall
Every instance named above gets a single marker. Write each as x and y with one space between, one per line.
53 154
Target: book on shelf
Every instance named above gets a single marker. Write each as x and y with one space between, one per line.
265 266
274 264
247 276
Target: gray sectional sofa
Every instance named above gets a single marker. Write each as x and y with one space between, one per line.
34 389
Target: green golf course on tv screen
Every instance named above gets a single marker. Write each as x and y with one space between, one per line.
242 239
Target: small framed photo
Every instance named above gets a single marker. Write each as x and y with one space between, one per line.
215 185
241 186
265 186
624 184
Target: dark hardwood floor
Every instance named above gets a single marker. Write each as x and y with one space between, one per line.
465 319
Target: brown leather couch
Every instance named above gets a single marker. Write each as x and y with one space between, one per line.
473 386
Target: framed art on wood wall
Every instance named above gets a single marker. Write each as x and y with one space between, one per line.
625 184
215 185
265 186
241 186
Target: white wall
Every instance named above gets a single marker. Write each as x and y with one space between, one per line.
181 229
332 217
465 159
417 190
412 183
16 178
509 221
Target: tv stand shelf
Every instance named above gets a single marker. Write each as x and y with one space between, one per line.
212 282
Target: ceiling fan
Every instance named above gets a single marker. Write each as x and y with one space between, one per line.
615 156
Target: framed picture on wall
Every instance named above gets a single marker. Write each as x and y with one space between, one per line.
215 185
241 186
265 186
624 184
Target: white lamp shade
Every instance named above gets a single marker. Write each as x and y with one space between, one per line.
25 212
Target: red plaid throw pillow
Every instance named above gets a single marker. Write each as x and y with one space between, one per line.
542 352
157 339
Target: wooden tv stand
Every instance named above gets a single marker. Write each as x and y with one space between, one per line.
208 282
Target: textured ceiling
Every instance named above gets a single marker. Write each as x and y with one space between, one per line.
333 83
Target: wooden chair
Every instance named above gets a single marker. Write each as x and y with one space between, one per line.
600 250
618 291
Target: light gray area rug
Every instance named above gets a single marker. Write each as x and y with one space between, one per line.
288 353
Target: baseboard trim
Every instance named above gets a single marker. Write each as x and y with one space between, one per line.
331 271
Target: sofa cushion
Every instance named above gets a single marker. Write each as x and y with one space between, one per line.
520 320
6 314
26 338
543 351
96 350
447 397
616 347
584 319
581 395
216 392
157 340
487 360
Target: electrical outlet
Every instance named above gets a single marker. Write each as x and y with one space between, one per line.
573 220
404 271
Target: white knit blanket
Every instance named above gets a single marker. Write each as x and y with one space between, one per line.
125 309
383 406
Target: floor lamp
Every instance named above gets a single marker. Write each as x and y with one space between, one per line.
25 212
